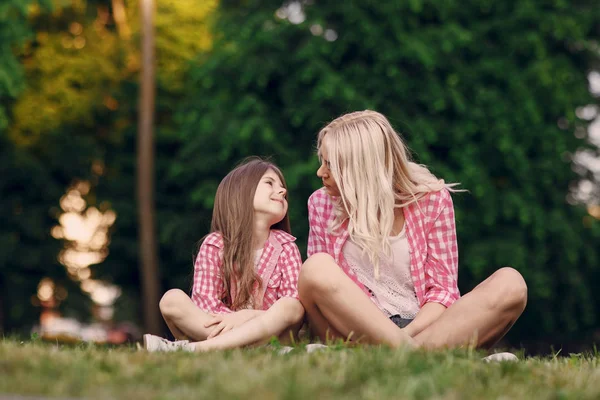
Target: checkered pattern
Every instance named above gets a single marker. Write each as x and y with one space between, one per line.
431 235
278 268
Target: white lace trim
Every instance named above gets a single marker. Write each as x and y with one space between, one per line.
394 291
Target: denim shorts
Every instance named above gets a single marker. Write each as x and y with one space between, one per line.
399 321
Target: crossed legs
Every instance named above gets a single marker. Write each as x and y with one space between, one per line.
186 321
337 308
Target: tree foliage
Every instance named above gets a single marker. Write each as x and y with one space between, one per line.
29 190
75 120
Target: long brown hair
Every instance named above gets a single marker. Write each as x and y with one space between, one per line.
233 217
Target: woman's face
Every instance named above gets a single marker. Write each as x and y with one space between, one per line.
324 172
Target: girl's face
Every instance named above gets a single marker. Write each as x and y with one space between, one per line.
324 172
270 199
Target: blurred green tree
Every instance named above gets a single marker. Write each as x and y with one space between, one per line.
79 112
29 188
483 92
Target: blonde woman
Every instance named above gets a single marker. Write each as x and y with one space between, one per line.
383 258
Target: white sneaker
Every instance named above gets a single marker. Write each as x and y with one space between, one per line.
284 349
154 343
311 348
500 357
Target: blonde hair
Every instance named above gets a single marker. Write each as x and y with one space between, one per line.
233 217
374 174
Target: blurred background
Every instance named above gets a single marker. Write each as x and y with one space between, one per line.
503 97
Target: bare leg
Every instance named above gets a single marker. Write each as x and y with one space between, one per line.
336 305
286 313
319 326
183 317
290 334
482 316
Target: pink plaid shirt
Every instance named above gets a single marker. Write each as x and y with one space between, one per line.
431 238
278 268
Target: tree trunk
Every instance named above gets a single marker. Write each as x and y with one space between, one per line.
145 175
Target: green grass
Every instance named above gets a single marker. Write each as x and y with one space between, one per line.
36 368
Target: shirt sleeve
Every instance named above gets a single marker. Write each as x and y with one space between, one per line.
316 234
441 265
208 285
291 263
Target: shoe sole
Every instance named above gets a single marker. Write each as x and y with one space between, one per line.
501 357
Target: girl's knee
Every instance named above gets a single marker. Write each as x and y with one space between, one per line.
171 301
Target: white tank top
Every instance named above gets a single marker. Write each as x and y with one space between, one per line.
394 291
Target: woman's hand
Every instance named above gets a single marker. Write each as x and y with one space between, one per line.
428 314
222 323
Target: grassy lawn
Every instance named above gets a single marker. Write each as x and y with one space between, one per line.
87 371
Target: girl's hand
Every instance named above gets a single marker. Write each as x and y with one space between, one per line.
222 323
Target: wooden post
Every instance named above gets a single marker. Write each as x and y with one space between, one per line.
145 175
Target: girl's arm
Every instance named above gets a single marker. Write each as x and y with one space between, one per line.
284 314
290 262
222 323
208 286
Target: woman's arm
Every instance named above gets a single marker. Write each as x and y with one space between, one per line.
441 265
317 229
284 314
425 317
